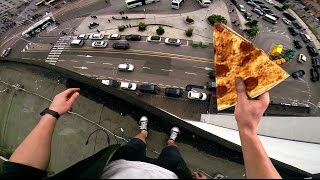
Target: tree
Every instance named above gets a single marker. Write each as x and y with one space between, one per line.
254 22
253 31
160 30
214 18
142 26
285 6
120 27
189 32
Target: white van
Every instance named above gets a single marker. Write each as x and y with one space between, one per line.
76 42
176 4
96 36
204 3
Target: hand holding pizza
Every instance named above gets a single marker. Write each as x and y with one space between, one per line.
248 112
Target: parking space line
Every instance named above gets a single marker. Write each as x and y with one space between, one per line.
146 68
169 70
190 73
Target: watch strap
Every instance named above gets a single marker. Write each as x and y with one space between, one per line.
51 112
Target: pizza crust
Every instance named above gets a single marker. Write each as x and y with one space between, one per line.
243 60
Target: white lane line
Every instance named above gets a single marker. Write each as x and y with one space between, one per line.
50 61
26 58
108 64
127 79
82 67
90 62
146 68
175 86
187 43
53 64
190 73
52 58
60 47
145 82
136 81
61 60
53 55
169 70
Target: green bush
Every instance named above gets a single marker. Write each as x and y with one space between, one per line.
121 27
253 31
285 6
160 30
189 32
189 20
214 18
142 26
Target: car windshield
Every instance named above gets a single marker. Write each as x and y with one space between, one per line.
173 40
127 66
129 85
201 95
155 37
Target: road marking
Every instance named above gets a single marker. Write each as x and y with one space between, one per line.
182 87
90 62
136 81
168 85
61 60
187 43
110 77
145 82
82 67
161 84
146 68
52 58
108 64
60 47
50 61
127 79
53 55
190 73
175 86
167 70
52 64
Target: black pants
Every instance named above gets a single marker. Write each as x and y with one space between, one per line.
135 150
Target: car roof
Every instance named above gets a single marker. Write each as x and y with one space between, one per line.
114 35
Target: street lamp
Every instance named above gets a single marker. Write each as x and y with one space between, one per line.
206 14
144 11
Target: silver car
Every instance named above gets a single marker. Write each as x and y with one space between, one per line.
172 41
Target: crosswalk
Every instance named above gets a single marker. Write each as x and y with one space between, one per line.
57 49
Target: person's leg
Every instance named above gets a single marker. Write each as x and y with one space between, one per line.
135 149
170 156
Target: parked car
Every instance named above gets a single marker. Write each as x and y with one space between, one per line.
278 8
250 3
293 31
173 92
114 37
172 41
268 11
100 44
302 58
211 86
149 88
258 2
314 75
212 75
298 74
269 1
312 50
297 25
297 44
247 16
111 82
315 62
305 37
93 25
194 95
241 8
120 45
274 15
154 39
82 36
286 21
257 11
96 36
126 67
133 37
128 86
6 52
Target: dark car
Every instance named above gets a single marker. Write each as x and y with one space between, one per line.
315 62
212 75
293 31
133 37
278 8
298 74
119 45
314 75
211 86
297 44
312 51
93 25
297 25
264 6
268 11
150 88
288 16
173 92
258 2
247 16
111 82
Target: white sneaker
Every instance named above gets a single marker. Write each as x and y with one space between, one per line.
174 133
143 123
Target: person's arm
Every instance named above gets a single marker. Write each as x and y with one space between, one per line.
35 149
248 114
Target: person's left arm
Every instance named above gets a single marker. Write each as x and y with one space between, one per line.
35 150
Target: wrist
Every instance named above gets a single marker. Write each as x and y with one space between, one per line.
247 130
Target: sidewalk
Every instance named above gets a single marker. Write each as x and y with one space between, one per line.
202 29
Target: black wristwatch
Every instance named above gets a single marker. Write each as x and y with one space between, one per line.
51 112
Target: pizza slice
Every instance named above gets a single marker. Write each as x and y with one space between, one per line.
237 57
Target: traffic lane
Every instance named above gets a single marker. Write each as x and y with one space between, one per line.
266 39
161 47
162 71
